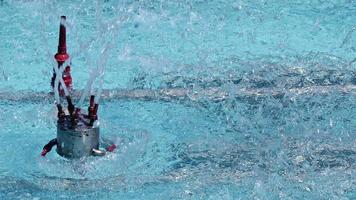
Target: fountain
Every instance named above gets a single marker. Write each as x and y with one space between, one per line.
78 133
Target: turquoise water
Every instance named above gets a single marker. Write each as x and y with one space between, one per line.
259 99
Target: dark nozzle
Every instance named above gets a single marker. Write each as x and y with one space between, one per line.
61 113
96 107
92 98
91 106
93 116
62 46
76 113
48 147
71 106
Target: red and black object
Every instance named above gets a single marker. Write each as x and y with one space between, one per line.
62 56
92 110
60 113
111 148
69 122
91 107
48 147
71 106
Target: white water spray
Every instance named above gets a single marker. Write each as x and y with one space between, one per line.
98 72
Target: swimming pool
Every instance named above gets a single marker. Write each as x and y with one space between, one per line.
205 99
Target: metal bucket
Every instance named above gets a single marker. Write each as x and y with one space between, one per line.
77 142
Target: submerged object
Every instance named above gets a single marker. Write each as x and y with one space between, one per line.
77 134
77 140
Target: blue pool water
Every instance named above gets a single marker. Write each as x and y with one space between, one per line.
205 99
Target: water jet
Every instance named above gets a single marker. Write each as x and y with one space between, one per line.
77 133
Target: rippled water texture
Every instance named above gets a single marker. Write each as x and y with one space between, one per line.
205 99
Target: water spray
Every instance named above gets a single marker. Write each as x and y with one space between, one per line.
77 136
